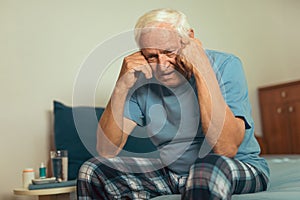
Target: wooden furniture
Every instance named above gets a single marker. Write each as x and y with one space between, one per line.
262 144
280 116
61 193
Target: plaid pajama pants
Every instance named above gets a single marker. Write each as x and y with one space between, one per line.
212 177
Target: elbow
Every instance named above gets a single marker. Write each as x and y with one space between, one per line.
229 151
232 151
105 148
102 152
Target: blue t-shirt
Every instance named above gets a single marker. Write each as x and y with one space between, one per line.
172 116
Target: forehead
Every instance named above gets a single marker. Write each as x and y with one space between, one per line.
159 38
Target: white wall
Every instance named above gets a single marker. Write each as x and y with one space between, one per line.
43 44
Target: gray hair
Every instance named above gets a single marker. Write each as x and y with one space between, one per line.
175 18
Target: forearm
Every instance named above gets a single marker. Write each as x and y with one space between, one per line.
113 128
110 134
222 129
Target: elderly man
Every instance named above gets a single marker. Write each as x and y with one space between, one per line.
195 107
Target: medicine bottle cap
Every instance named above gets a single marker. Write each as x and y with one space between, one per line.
28 170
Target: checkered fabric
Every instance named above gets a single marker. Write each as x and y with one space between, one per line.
212 177
218 177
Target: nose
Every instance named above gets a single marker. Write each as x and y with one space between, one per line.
163 61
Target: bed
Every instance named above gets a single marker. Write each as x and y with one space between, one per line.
284 181
285 169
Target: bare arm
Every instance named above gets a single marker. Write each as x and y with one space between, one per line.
224 131
113 128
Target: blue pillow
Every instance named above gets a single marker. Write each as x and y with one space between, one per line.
66 135
75 130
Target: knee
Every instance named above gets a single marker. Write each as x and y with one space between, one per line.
98 168
212 162
90 180
207 179
87 169
210 172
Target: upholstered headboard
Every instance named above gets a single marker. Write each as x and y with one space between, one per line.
79 136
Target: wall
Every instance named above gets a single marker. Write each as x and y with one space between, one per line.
44 43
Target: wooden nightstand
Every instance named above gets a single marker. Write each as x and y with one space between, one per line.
61 193
280 114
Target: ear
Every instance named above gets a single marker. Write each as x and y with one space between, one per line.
191 33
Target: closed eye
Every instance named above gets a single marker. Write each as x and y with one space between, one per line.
151 57
170 53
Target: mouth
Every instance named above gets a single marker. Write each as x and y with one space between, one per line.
166 75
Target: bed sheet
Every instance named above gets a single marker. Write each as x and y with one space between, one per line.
284 181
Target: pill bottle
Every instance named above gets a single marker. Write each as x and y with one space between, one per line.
28 175
42 170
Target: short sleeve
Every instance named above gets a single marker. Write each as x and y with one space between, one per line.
133 111
234 88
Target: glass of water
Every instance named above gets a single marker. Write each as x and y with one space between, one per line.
59 164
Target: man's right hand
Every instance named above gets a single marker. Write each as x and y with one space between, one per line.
132 66
113 127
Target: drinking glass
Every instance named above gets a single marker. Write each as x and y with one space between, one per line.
59 161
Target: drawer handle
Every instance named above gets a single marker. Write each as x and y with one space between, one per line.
279 110
291 109
283 94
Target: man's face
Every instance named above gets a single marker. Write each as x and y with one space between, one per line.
160 47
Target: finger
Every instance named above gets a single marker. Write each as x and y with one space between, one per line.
138 53
183 67
139 60
133 60
145 69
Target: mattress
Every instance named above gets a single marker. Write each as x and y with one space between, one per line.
284 181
